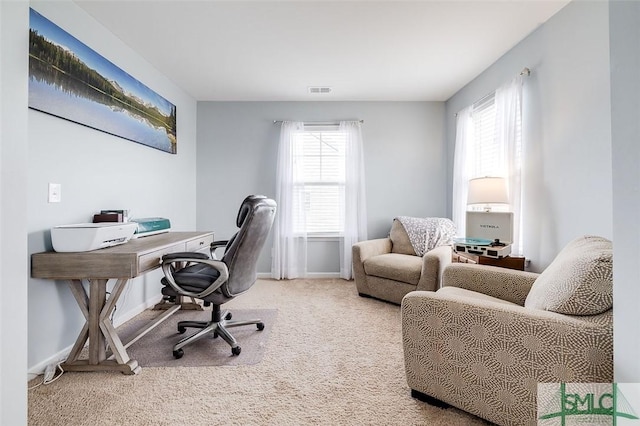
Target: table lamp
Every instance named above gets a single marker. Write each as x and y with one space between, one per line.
488 190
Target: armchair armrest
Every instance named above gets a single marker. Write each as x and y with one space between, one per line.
360 252
433 264
505 284
366 249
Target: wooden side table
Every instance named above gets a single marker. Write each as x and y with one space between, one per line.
510 262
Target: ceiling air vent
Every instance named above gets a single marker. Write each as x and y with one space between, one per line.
319 90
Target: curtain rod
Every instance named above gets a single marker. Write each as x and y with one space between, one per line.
526 72
319 123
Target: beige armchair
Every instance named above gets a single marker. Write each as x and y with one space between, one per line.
389 268
485 340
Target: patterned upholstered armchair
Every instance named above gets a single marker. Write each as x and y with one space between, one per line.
411 258
485 340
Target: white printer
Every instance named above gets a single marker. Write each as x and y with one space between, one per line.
91 236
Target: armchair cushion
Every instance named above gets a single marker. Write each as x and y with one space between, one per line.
579 281
394 266
400 242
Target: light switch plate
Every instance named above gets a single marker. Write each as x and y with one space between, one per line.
55 193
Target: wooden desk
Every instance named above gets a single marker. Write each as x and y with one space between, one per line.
122 263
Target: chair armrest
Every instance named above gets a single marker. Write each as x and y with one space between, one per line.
366 249
360 252
184 254
215 246
168 267
433 264
506 284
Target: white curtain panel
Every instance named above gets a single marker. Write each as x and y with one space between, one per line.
462 167
355 212
508 136
508 101
289 245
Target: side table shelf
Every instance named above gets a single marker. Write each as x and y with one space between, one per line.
510 262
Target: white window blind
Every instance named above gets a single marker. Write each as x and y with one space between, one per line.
487 154
320 155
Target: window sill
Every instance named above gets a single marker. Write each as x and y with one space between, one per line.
324 237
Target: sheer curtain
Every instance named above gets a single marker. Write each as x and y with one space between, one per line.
355 214
289 258
462 167
509 136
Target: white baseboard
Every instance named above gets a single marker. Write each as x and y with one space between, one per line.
310 275
39 368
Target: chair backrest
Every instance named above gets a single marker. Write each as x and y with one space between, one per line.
255 218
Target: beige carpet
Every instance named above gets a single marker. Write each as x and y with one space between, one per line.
333 358
156 348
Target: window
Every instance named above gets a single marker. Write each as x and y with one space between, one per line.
320 191
320 185
488 153
489 143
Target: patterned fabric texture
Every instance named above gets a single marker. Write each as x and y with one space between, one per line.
428 233
579 281
473 345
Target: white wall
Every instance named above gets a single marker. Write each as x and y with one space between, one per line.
403 149
567 170
99 171
13 206
624 23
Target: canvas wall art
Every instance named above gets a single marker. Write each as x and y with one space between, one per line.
68 79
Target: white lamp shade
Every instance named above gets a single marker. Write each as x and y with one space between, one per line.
488 190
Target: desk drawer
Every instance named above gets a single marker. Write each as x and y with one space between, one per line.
152 260
200 244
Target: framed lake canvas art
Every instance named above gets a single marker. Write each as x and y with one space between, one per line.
69 80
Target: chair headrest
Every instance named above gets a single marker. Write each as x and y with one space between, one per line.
246 207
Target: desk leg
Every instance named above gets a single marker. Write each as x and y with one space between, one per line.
98 329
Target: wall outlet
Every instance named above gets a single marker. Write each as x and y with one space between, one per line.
55 193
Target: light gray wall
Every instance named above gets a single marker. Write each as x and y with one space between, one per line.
14 17
404 160
567 163
100 171
624 24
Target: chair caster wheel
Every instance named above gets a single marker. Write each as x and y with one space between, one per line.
178 354
236 350
181 330
260 326
215 335
228 316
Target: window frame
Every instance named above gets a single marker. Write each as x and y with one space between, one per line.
339 183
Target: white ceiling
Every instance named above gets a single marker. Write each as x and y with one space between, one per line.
364 50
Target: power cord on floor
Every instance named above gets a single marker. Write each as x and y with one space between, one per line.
49 375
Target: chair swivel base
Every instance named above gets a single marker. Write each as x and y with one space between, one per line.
220 321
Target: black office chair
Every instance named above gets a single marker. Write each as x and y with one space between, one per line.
218 281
